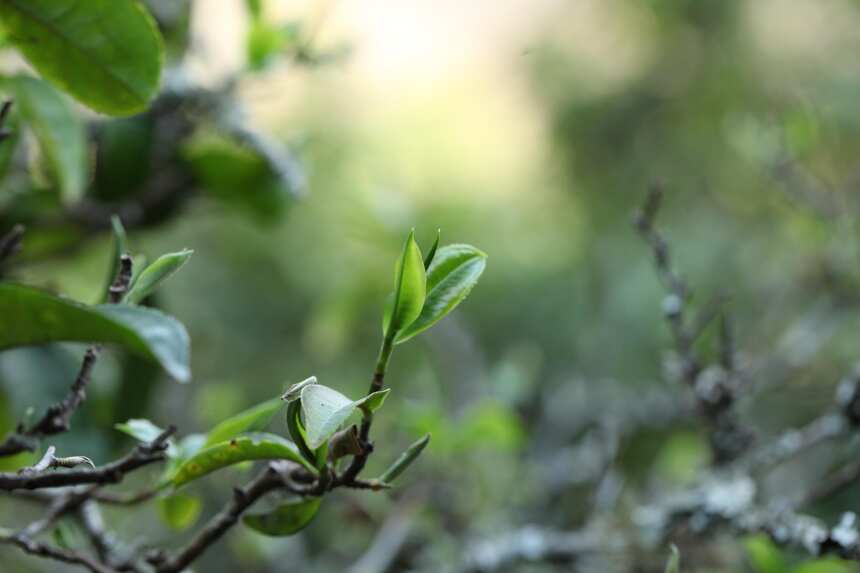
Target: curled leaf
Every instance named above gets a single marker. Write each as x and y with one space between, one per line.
294 392
326 409
297 431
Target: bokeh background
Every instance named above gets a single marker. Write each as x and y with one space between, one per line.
531 129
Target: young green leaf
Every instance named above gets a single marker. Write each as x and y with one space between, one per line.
58 130
672 566
156 273
326 409
410 288
455 270
251 420
405 460
40 318
287 519
259 446
106 53
179 510
140 429
372 402
428 260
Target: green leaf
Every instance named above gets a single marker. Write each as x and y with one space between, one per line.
372 402
455 270
287 519
237 175
672 566
58 130
40 318
156 273
179 510
405 460
260 446
140 429
326 409
251 420
106 53
410 288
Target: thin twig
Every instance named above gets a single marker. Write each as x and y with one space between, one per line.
268 480
57 417
113 472
34 547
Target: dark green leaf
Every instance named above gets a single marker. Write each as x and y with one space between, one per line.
239 449
428 260
455 270
297 430
106 53
251 420
179 510
287 519
156 273
41 318
410 288
58 130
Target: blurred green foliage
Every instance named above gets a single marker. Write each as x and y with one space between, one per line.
752 126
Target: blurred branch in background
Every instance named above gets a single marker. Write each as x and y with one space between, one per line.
727 496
